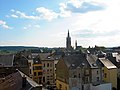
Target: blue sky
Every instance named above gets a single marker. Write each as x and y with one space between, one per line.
45 23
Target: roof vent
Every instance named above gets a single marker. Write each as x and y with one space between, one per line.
36 61
94 64
48 57
73 65
83 64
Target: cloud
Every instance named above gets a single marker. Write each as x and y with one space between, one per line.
4 25
86 7
65 10
12 10
99 27
92 34
43 13
37 26
82 6
23 15
46 13
15 16
29 27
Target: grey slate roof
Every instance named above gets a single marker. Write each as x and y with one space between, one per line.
76 60
6 60
92 61
43 56
21 61
46 56
37 60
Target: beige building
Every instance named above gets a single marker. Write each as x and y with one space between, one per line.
30 61
48 68
95 69
80 72
73 72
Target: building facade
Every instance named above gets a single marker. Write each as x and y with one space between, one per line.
80 72
109 72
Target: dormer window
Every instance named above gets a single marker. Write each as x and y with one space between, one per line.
36 61
83 64
73 65
48 57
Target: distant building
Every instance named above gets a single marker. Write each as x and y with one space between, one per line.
6 60
77 47
68 42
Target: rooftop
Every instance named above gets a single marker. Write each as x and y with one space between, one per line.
6 60
107 63
75 60
92 61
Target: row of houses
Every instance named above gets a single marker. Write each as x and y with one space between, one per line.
82 71
42 66
85 72
69 71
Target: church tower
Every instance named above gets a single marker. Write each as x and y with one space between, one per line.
68 41
75 44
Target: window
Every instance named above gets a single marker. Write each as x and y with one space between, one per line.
43 79
65 88
75 76
86 72
47 64
86 79
60 87
39 73
50 70
30 71
79 75
37 67
103 71
29 64
97 72
105 75
34 73
50 64
97 78
47 70
44 64
47 77
55 65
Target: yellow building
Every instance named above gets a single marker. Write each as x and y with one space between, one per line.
109 72
36 69
62 85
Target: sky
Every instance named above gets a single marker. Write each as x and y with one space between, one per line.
45 23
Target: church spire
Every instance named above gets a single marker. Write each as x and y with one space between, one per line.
68 33
68 41
75 44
